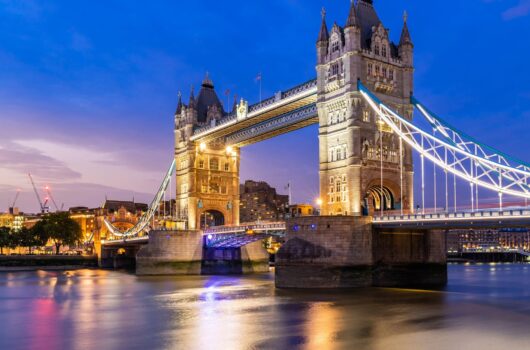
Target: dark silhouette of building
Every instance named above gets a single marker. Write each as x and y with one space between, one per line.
260 202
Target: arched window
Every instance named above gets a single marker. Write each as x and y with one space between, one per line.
376 49
383 51
370 69
377 70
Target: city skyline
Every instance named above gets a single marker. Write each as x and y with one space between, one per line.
88 109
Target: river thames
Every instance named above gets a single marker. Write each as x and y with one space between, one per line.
483 307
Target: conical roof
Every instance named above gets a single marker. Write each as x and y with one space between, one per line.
353 20
405 35
368 19
207 98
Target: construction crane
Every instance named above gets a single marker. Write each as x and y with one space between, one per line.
12 207
43 206
49 193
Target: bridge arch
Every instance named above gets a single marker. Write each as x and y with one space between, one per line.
211 218
377 196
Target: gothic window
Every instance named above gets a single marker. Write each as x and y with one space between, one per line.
383 51
214 164
376 49
344 151
384 72
391 74
377 69
339 154
366 116
204 188
334 69
335 46
370 69
227 166
201 163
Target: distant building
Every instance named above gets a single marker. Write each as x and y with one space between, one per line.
484 240
86 218
123 215
260 202
298 210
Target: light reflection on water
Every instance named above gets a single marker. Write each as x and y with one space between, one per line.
484 307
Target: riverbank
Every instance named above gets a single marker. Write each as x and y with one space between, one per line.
46 262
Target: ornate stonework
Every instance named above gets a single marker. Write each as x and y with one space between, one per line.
353 143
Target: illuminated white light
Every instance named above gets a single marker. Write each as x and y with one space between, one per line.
408 135
229 150
202 147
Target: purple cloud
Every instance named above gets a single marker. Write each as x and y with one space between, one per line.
29 160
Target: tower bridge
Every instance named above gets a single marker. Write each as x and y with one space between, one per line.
370 125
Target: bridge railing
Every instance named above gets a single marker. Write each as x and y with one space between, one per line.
246 228
255 108
283 95
514 213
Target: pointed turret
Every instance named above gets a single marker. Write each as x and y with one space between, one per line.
179 105
405 34
207 82
192 103
353 20
323 36
234 106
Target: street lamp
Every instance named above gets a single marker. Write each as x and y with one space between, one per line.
319 202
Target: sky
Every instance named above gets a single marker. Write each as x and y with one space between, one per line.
88 89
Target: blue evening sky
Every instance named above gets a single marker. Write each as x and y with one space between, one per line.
88 88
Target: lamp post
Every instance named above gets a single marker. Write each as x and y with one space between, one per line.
319 202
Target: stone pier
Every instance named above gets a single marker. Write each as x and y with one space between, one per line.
171 253
185 253
348 252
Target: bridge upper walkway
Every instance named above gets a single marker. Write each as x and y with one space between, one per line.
285 111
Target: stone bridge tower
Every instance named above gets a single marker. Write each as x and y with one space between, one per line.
207 174
350 134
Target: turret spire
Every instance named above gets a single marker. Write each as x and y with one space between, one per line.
405 34
179 104
324 34
192 98
353 20
207 81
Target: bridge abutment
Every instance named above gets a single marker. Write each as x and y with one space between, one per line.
348 252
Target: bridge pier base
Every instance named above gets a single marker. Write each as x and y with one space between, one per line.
118 257
348 252
171 253
250 258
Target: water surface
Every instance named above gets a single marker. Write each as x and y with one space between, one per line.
483 307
